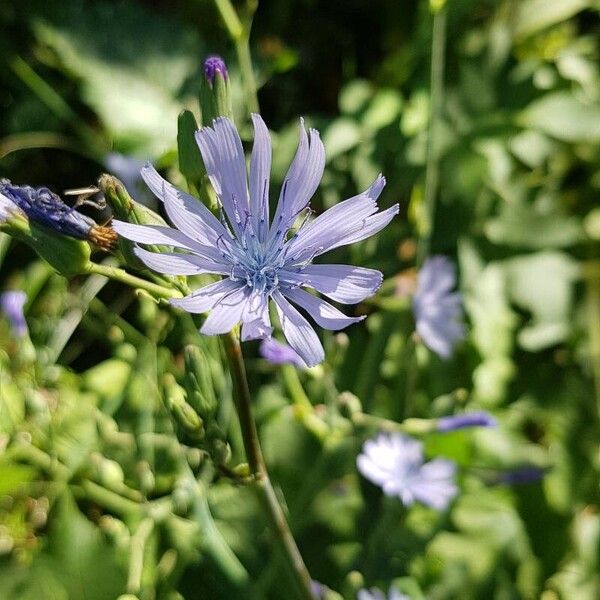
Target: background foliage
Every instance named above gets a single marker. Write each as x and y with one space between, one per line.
97 497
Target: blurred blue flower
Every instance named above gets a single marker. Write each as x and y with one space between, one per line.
127 170
258 260
213 65
279 354
438 311
11 304
376 594
472 419
42 206
526 474
395 462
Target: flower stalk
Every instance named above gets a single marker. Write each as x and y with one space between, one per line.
239 33
131 280
260 477
432 168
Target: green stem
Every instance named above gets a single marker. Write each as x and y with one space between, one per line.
242 49
432 168
122 276
239 34
56 104
261 482
592 279
138 550
303 408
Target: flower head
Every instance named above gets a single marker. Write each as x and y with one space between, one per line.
44 207
11 304
256 256
473 419
212 65
395 462
376 594
438 311
279 354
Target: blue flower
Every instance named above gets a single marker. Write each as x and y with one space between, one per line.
438 311
44 207
11 304
395 463
376 594
279 354
473 419
257 258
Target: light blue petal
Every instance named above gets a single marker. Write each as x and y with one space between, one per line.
298 332
301 181
260 172
343 283
171 263
206 297
187 213
226 313
256 320
225 163
323 313
337 222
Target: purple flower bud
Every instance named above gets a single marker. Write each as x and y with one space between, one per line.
46 208
473 419
526 474
212 65
11 304
279 354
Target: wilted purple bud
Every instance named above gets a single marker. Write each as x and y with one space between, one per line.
438 310
11 304
395 462
44 207
279 354
527 474
473 419
212 65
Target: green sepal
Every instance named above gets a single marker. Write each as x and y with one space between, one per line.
67 255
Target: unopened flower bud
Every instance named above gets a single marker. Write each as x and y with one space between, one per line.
473 419
198 382
11 304
125 208
215 95
183 413
349 404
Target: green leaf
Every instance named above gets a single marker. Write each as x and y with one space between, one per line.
525 225
342 135
534 15
131 62
564 116
542 284
82 561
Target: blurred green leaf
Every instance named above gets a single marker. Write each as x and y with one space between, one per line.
132 65
564 116
535 15
542 284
